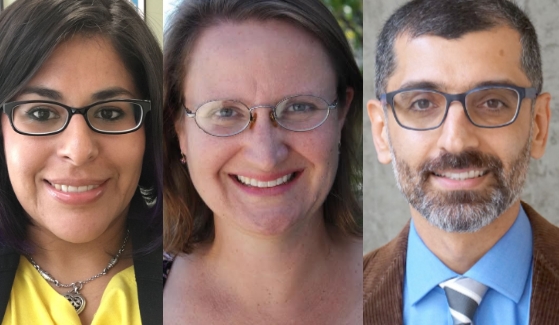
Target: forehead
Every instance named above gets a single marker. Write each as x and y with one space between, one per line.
81 66
458 65
255 60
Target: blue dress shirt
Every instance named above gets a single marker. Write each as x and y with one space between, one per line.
506 269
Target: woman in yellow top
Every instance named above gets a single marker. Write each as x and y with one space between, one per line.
80 173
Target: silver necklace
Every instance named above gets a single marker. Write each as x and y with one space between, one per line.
74 296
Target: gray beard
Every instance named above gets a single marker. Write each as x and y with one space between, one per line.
463 211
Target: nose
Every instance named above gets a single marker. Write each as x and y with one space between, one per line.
264 141
457 132
77 142
270 115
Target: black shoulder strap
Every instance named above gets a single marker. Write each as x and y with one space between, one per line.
9 261
150 286
147 268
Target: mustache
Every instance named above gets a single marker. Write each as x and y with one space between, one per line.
463 160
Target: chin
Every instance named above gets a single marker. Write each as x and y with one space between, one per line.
75 230
269 223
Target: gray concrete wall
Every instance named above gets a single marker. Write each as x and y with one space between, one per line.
385 210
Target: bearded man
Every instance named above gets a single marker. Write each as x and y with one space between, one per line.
460 112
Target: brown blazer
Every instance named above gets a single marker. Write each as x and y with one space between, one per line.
384 268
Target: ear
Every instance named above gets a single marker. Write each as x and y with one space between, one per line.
180 129
349 93
542 117
379 130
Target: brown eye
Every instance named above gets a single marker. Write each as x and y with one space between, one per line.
421 104
41 114
494 104
109 114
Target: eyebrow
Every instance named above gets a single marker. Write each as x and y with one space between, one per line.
426 84
57 96
111 93
43 92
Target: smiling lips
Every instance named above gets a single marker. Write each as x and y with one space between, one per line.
74 189
462 176
263 184
79 193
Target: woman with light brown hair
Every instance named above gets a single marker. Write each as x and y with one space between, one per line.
262 128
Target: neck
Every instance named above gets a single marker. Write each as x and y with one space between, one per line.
460 251
69 262
285 263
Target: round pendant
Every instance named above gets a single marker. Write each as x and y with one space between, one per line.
77 301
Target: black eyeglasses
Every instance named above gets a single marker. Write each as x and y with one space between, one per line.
223 118
38 118
485 107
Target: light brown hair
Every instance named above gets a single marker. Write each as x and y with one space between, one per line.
188 221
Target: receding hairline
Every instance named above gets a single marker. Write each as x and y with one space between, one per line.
407 35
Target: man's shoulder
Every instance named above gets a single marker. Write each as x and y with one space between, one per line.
383 277
545 278
545 233
380 263
546 240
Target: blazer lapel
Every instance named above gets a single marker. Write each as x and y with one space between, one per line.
383 278
545 278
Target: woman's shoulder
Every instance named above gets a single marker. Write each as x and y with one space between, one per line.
168 260
348 246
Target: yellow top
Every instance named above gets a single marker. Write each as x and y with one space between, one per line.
34 301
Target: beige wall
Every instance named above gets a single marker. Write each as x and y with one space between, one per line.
154 9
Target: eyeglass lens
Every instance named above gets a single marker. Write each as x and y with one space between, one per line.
423 109
228 117
43 118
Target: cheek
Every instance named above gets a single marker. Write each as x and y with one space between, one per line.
205 156
413 147
508 147
24 155
320 148
130 154
26 158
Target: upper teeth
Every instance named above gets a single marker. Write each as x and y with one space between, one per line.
462 176
74 189
257 183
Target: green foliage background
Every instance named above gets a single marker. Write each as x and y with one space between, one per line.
349 14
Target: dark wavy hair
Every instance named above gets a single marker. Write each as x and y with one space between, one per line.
188 221
29 32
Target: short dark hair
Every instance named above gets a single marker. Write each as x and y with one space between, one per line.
30 30
188 220
451 19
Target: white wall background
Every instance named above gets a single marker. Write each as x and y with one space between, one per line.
385 210
168 7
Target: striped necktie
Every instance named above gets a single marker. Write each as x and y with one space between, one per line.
464 296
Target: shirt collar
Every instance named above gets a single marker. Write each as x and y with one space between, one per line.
504 268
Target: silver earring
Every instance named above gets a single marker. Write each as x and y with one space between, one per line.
183 159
